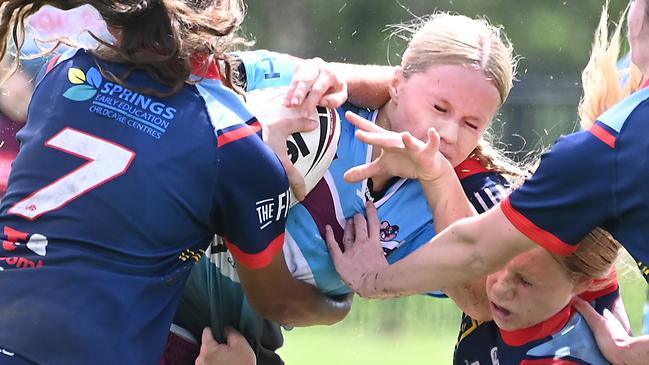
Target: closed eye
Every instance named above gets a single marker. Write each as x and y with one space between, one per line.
440 108
471 125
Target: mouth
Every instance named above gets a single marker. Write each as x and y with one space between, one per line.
498 311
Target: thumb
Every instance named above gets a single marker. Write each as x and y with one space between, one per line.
233 337
207 337
334 100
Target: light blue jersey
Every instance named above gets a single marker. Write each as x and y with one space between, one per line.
214 297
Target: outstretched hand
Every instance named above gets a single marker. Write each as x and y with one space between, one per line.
363 256
402 154
235 351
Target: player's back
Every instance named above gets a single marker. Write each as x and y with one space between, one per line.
112 198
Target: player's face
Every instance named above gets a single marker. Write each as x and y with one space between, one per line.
456 100
639 33
530 289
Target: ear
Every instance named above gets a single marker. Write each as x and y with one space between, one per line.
395 84
583 284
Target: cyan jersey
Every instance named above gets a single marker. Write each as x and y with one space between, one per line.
113 197
564 339
592 178
213 295
406 218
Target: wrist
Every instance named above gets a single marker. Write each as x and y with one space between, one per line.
446 172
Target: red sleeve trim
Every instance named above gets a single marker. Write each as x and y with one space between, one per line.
603 135
537 234
469 167
257 260
239 133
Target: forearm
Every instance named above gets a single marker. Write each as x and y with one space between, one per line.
470 248
367 85
307 306
278 296
447 199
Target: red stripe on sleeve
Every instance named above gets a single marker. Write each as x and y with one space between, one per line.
603 135
239 133
537 234
257 260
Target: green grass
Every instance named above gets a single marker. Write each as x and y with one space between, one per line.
410 331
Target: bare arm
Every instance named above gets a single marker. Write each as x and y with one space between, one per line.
469 248
367 85
276 295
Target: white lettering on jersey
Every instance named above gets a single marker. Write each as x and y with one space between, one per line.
272 209
494 356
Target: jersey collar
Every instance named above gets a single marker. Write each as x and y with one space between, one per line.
205 66
544 329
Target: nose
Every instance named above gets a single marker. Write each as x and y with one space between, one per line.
502 285
449 132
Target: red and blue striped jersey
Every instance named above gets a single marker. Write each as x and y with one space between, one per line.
588 179
113 197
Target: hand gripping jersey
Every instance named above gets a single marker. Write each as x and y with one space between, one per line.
563 339
592 178
112 198
406 221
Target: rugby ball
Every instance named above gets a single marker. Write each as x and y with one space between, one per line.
310 152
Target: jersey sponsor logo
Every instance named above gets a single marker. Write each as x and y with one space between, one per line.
36 243
145 114
272 209
14 239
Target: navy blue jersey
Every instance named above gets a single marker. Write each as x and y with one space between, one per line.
564 339
588 179
113 197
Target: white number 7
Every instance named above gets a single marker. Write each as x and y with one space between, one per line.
106 161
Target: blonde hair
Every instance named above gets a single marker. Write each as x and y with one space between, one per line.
443 39
157 36
594 258
446 39
604 85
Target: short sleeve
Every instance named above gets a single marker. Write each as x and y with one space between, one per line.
266 69
485 190
253 198
569 195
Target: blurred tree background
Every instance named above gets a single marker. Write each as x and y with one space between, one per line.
552 37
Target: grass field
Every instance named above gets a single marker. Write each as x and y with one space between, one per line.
410 331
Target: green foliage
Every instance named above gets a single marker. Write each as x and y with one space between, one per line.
553 37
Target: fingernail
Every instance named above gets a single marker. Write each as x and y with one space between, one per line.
295 101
